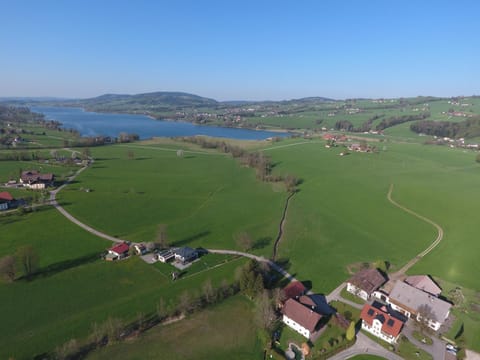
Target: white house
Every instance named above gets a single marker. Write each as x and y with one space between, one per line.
185 254
365 282
381 324
165 255
300 318
414 303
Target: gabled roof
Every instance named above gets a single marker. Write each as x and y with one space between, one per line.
425 283
413 298
368 280
294 289
120 248
301 314
185 252
390 325
6 196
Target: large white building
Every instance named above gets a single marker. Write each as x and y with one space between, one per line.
381 324
415 303
301 318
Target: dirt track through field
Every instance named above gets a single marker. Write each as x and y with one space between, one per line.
432 246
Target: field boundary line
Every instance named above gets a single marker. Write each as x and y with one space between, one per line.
148 147
288 145
425 252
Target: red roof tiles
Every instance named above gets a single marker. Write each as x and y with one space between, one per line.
6 196
294 290
301 314
390 325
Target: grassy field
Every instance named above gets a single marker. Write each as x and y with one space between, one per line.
204 198
224 331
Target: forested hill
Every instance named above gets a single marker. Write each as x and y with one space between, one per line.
149 102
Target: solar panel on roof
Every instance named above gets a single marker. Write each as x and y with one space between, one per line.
390 322
370 312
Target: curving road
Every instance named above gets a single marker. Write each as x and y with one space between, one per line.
432 246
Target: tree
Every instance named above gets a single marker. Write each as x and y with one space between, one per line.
265 315
180 153
350 335
162 239
130 155
7 268
291 183
185 302
425 314
208 292
85 153
28 258
477 159
244 241
162 311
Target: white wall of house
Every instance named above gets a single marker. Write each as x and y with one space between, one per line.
295 326
3 206
356 291
376 330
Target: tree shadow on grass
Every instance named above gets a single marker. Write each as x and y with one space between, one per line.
261 243
189 239
61 266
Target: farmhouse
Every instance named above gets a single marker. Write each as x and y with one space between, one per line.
5 200
415 303
140 249
165 255
118 251
300 318
365 282
185 254
424 283
35 180
380 323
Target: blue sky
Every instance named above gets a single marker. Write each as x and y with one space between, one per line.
233 50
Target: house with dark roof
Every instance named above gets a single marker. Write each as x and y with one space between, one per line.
6 200
300 318
185 254
378 322
35 180
365 282
419 305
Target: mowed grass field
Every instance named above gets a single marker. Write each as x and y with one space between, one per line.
226 331
74 288
341 214
204 198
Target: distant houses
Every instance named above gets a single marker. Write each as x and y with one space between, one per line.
35 180
365 282
6 199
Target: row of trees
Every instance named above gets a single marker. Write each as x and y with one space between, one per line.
467 129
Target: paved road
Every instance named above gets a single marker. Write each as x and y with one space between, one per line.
53 201
437 349
364 345
437 241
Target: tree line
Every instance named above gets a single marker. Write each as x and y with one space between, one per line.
346 125
467 129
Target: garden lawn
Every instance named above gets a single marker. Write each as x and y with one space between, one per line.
226 331
205 199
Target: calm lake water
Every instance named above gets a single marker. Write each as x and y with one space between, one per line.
93 124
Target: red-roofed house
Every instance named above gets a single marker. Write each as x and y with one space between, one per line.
35 180
381 324
365 282
300 318
294 290
5 200
118 251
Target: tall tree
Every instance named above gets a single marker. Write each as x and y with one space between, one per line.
162 238
350 335
7 268
208 292
28 258
244 241
265 315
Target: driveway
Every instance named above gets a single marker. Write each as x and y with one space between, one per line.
437 349
365 345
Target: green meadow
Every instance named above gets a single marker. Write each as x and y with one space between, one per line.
226 331
204 198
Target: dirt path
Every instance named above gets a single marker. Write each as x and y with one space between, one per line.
281 227
432 246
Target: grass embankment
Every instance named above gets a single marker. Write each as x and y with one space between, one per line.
220 332
204 198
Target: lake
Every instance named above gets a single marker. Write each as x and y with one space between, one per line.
94 124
